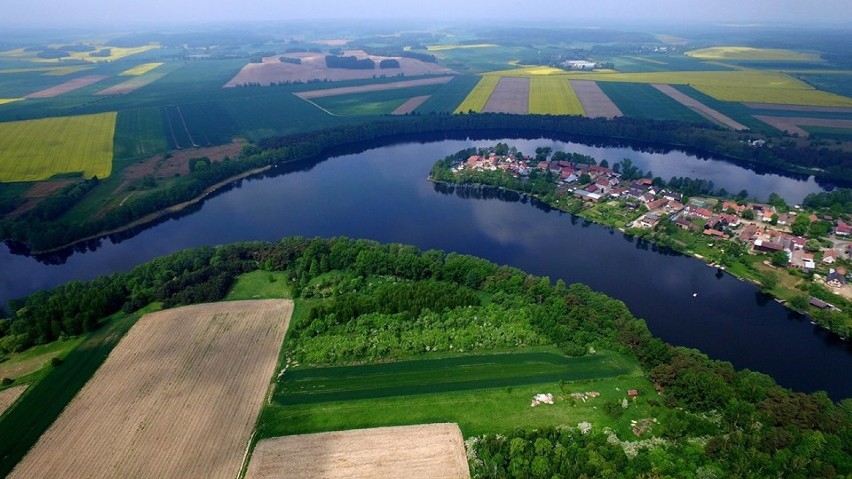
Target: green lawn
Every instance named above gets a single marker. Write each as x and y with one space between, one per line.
260 285
21 365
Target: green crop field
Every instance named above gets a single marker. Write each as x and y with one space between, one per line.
36 150
372 103
273 112
736 111
139 133
553 96
481 393
842 134
478 97
640 100
449 95
781 96
748 53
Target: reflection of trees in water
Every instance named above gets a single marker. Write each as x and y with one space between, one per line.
481 192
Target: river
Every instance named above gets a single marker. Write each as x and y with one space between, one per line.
383 194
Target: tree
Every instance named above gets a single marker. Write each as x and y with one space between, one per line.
604 163
585 179
748 214
780 258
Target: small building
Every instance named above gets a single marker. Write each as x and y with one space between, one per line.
842 229
632 393
818 303
585 195
767 246
829 257
649 220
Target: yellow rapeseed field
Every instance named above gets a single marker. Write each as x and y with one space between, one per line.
3 101
35 150
748 53
553 95
140 69
478 97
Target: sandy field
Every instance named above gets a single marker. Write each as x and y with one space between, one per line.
431 451
793 124
773 106
410 105
307 95
313 68
9 396
178 397
699 107
70 85
511 95
594 100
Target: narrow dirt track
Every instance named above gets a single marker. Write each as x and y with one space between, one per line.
699 107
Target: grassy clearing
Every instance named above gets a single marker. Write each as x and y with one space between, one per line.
36 150
139 133
20 365
553 96
639 100
140 69
21 427
480 94
477 411
423 376
449 95
260 285
748 53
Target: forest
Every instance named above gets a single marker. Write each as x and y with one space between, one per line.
718 421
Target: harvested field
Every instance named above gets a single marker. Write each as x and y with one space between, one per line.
70 85
511 95
410 105
775 106
595 102
307 95
178 397
313 68
433 451
700 108
793 124
131 85
9 396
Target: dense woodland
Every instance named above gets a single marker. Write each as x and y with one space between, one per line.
41 232
720 422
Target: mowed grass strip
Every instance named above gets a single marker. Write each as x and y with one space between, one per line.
140 69
553 96
478 97
407 378
35 150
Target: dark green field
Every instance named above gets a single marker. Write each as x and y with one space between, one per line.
372 103
449 96
661 63
138 133
825 132
834 82
737 111
640 100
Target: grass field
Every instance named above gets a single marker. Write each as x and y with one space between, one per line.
139 133
140 69
481 397
36 150
748 53
260 285
480 94
553 96
640 100
21 427
20 365
450 95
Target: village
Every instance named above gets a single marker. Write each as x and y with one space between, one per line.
819 253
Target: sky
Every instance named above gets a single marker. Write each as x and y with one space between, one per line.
71 13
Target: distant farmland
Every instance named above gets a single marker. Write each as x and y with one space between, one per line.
177 397
140 69
748 53
35 150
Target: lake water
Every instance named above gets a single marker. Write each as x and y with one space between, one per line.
383 194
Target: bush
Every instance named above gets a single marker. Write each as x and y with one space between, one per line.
56 362
6 381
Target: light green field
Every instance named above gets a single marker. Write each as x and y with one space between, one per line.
478 97
36 150
3 101
140 69
551 95
747 53
781 96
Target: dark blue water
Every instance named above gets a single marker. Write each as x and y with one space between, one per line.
382 194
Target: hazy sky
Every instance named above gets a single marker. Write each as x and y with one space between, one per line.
113 12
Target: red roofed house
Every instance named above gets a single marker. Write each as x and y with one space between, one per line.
633 393
842 229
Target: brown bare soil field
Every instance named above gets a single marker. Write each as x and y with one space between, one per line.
511 95
70 85
430 451
594 100
773 106
313 68
36 194
178 162
699 107
793 124
9 396
307 95
131 85
178 397
410 105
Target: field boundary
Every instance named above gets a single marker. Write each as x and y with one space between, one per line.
699 107
410 105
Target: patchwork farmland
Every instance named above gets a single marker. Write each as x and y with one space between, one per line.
553 96
432 451
177 397
35 150
700 108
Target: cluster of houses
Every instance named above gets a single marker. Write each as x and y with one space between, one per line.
602 184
